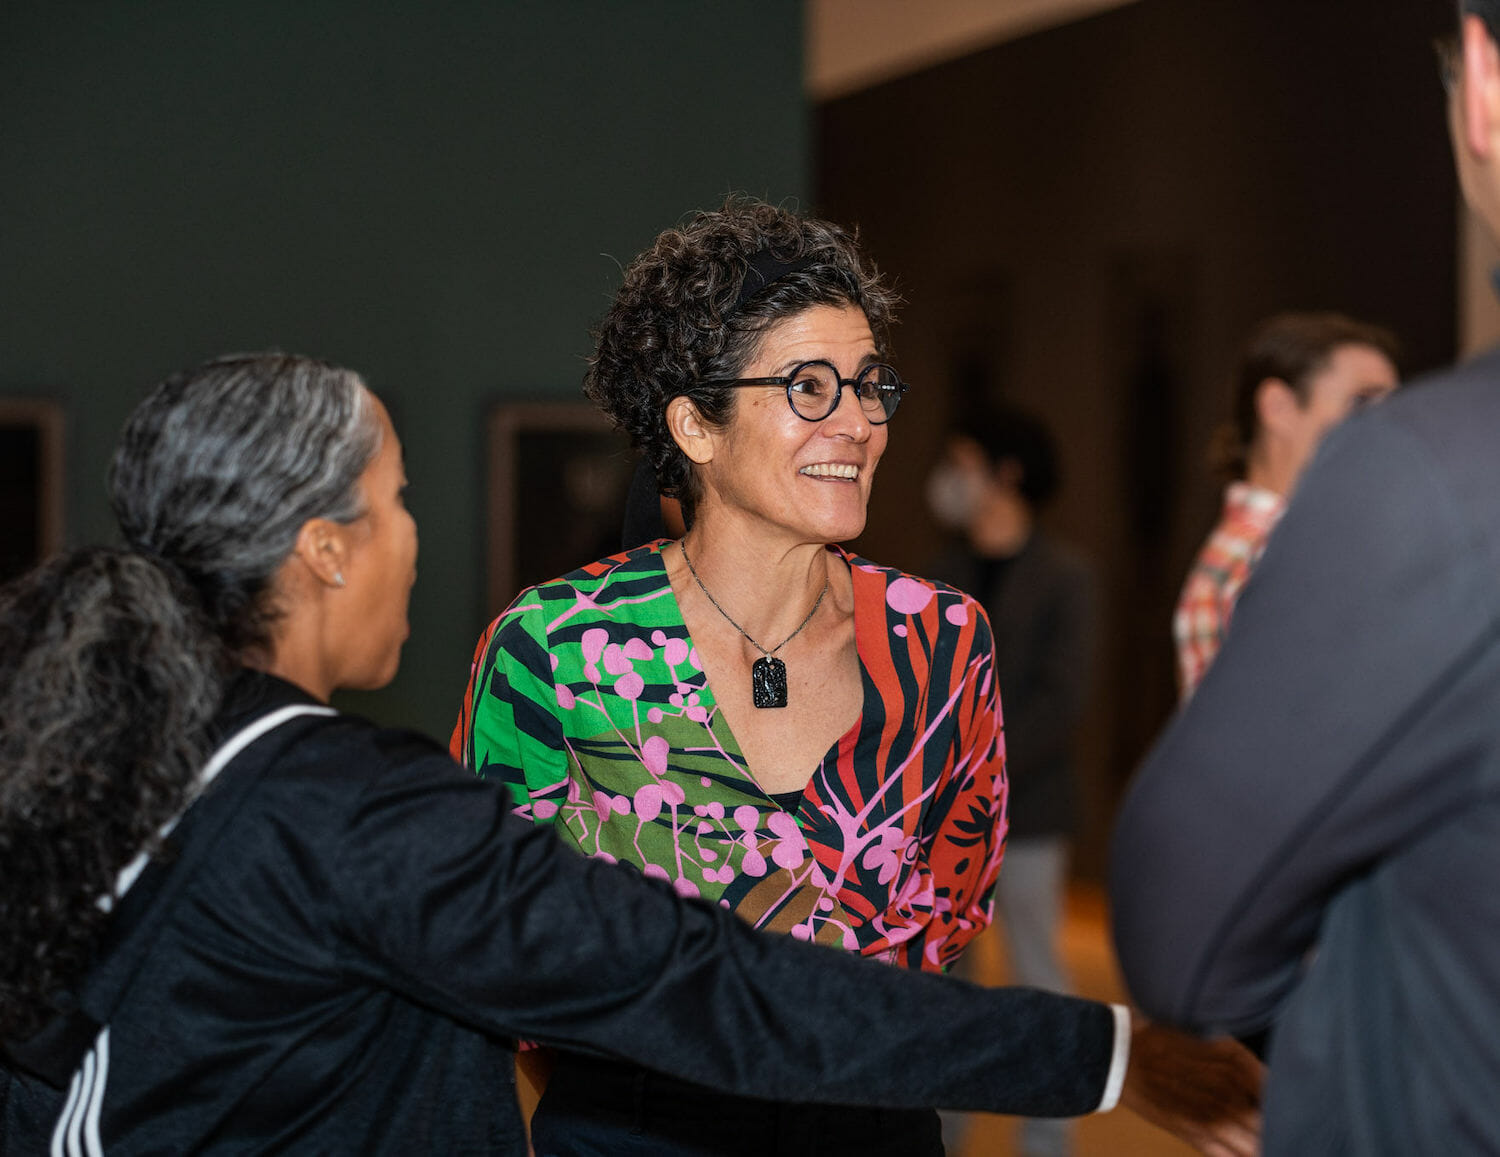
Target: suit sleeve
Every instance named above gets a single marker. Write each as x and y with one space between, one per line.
1306 753
447 896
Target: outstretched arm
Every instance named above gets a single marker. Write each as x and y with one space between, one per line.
451 898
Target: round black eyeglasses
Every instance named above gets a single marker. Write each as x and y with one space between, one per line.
814 390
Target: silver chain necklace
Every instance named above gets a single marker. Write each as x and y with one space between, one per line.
768 673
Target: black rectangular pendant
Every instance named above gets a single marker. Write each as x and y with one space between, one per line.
768 682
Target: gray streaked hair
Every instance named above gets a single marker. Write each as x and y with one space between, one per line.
113 662
220 466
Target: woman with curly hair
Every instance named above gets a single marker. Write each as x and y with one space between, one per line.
233 919
750 712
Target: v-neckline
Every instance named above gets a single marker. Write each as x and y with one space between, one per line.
718 722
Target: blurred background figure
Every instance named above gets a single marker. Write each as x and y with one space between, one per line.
999 470
1299 376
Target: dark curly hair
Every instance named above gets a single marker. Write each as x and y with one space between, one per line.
678 319
113 661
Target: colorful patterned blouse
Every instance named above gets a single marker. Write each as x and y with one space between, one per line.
588 701
1218 574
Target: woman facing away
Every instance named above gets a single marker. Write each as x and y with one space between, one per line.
234 920
749 712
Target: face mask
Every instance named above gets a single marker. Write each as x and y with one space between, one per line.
953 495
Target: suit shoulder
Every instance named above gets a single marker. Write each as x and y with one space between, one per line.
1456 409
1440 427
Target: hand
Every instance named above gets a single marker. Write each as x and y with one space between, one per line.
1207 1092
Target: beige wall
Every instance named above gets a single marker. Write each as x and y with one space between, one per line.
855 43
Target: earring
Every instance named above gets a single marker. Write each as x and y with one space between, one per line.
338 578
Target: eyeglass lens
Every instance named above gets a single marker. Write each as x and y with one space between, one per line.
814 391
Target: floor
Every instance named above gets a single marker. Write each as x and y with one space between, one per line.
1091 964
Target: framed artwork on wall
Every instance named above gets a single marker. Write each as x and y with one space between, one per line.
557 478
31 483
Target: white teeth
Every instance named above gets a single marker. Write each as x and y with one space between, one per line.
832 470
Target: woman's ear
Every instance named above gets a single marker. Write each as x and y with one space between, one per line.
1275 404
692 434
1479 89
323 547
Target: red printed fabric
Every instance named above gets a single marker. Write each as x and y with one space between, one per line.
1218 574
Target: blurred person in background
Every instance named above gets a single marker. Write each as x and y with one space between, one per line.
1300 375
999 471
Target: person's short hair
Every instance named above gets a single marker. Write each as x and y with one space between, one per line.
1295 348
1008 433
682 317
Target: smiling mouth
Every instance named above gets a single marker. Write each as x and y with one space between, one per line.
846 471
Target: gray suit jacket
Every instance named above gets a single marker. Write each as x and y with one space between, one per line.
1314 844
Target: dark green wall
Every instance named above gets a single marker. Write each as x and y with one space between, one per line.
438 196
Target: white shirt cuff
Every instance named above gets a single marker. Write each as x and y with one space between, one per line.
1119 1060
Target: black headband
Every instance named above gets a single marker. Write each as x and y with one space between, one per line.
761 270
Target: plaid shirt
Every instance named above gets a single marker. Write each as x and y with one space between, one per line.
1219 572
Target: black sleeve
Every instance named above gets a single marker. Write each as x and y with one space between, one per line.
1309 750
449 898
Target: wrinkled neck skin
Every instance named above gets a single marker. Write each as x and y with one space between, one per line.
765 580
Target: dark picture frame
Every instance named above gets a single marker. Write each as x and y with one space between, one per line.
557 478
31 483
